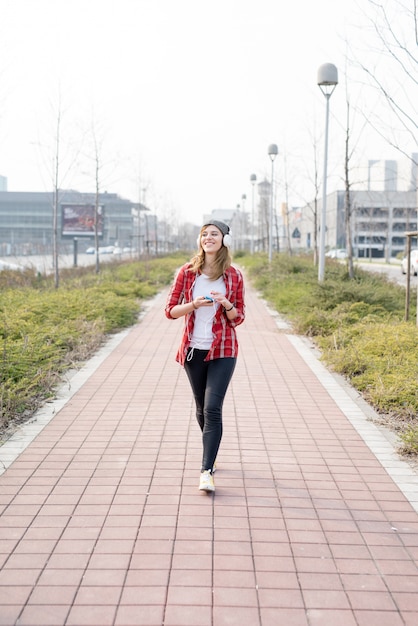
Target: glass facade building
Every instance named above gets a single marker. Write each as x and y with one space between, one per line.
27 221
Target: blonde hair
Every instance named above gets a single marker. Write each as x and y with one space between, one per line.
223 259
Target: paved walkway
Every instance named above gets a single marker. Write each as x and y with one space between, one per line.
314 521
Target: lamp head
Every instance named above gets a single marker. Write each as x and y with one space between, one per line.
273 151
327 78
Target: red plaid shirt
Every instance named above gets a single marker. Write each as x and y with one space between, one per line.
225 342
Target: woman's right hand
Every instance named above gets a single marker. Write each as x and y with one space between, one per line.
201 301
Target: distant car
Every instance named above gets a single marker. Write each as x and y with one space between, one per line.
102 250
413 261
339 253
106 249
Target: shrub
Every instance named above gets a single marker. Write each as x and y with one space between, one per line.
410 441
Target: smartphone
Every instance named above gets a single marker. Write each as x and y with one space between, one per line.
209 298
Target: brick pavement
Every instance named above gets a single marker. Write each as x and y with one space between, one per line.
102 522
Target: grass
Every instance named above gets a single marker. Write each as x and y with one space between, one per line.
359 326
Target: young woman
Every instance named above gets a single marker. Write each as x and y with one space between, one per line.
209 292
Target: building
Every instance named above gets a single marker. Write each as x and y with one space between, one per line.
26 221
379 221
383 209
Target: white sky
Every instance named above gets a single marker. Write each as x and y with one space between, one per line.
184 95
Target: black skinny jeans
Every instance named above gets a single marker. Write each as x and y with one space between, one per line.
209 381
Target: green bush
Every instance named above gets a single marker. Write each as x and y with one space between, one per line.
380 360
409 439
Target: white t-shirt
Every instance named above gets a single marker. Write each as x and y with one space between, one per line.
202 336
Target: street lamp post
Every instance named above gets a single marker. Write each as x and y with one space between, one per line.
253 179
272 152
327 81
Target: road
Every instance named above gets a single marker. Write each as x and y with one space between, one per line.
392 271
43 263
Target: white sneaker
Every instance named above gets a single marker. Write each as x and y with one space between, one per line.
206 481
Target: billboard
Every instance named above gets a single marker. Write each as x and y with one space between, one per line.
78 220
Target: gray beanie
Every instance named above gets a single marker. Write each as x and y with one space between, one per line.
224 228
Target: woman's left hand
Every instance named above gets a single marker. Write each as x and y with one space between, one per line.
220 299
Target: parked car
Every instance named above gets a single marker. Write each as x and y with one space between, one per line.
339 253
102 250
413 261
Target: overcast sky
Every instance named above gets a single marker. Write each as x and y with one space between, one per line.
184 96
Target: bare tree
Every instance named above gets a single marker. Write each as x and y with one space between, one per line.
313 204
97 200
95 155
392 72
347 196
55 204
285 208
58 160
57 180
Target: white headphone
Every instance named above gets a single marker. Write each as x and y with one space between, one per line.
227 239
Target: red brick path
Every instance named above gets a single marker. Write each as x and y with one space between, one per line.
102 522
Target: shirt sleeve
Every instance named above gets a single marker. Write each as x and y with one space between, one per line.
176 293
238 299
